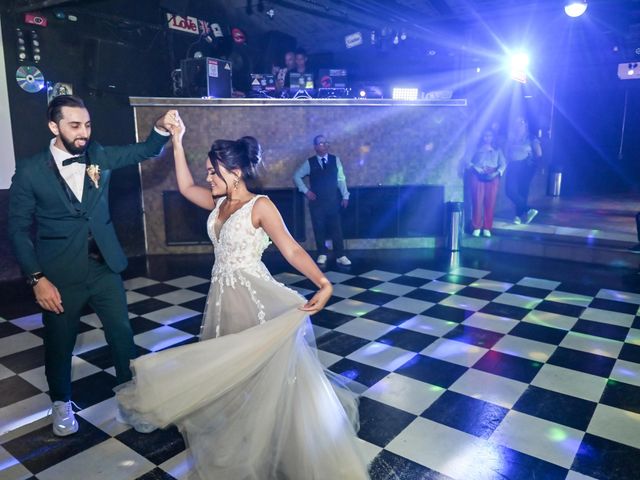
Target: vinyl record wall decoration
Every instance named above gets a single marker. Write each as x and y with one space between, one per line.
30 79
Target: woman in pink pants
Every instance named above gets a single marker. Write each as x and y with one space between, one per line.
486 168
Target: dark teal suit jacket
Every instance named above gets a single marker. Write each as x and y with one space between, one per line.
60 250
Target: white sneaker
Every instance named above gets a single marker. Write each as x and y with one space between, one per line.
63 420
486 233
322 259
531 214
343 260
517 220
476 232
130 418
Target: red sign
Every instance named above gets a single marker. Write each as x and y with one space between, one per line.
184 24
35 19
238 35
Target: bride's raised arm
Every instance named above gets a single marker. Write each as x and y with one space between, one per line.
266 215
201 196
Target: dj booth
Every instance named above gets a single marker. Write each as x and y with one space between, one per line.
402 159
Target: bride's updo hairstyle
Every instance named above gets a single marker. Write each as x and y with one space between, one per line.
243 154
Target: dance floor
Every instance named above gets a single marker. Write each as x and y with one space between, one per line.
480 365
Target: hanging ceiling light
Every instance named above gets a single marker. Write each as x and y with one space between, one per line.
575 8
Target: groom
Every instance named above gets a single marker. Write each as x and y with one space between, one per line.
76 259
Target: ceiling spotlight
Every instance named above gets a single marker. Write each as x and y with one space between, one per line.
403 36
396 39
271 13
575 8
637 51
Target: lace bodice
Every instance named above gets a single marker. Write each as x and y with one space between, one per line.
237 243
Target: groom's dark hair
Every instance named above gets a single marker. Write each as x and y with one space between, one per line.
54 111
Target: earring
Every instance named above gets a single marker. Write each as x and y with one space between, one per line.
235 184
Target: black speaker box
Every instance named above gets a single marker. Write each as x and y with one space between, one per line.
206 77
123 68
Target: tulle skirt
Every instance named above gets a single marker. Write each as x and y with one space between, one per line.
254 403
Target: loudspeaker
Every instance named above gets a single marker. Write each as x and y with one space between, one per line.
123 68
206 77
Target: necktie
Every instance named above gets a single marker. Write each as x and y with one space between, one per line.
323 162
78 159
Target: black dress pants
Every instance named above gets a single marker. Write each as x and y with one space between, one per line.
325 219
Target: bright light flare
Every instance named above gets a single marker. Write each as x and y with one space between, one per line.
519 61
519 64
575 8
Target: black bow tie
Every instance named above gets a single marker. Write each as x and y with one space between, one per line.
78 159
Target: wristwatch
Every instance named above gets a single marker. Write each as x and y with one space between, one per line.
34 278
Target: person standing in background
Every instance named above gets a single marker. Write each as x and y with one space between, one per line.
282 79
326 180
486 167
522 152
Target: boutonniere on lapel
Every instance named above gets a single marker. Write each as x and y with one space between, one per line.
93 172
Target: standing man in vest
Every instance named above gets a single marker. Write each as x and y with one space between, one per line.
326 181
76 258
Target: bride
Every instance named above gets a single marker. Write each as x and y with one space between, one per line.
251 398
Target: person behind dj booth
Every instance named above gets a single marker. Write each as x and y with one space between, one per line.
282 78
326 180
301 61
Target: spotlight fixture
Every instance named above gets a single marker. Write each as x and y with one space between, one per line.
632 69
271 13
403 36
396 39
575 8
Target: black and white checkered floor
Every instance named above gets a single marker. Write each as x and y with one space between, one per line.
487 366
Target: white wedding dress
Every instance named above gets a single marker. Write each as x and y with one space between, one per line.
251 398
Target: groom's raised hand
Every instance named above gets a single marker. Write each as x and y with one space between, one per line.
168 121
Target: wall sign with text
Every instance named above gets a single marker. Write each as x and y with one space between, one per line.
193 25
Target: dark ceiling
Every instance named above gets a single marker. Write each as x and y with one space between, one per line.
455 26
322 24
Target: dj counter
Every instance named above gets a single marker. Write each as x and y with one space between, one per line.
403 160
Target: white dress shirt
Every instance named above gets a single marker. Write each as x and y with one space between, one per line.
73 174
305 170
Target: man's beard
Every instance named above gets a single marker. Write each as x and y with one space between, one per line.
71 148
